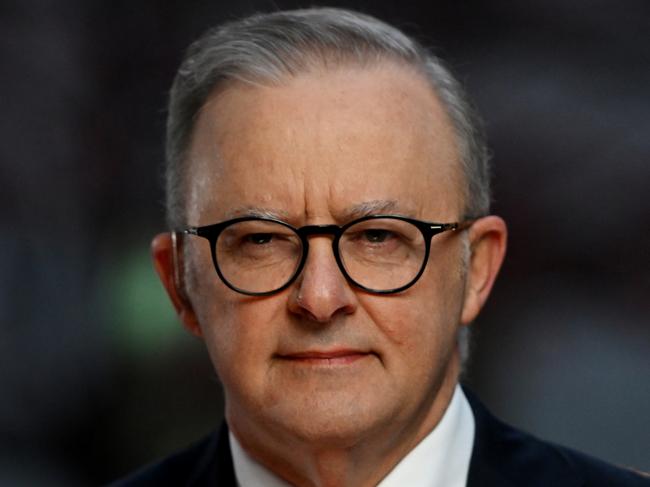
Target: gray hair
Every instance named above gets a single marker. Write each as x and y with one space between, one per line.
268 48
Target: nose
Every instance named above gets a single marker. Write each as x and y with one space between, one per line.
321 291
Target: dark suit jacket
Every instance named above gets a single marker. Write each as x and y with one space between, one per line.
502 456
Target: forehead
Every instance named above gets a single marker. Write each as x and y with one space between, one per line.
323 142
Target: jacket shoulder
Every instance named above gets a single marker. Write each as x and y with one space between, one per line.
598 473
505 456
206 462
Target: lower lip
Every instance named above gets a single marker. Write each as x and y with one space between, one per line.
327 361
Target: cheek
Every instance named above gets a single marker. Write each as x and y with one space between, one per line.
238 330
421 321
409 336
397 319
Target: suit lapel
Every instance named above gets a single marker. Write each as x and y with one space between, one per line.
214 467
506 457
484 467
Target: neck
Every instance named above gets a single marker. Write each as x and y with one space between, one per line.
363 462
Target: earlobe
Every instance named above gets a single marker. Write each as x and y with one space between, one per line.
167 260
488 238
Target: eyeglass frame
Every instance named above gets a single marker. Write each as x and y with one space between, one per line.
428 229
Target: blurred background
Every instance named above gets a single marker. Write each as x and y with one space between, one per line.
96 375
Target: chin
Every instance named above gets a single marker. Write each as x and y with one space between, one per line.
337 421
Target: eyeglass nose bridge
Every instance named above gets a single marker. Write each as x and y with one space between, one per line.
328 229
320 230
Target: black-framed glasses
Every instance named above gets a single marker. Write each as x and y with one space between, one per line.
381 254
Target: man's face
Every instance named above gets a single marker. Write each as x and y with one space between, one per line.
323 361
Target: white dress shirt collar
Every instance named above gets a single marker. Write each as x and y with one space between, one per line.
441 459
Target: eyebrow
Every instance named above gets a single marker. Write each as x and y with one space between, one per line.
374 207
256 211
360 210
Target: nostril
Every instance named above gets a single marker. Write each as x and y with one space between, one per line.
320 295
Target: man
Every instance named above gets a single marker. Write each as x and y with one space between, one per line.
329 191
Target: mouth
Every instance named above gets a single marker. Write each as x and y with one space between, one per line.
325 357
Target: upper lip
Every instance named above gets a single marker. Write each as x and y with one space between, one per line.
323 354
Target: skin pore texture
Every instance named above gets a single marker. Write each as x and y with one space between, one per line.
327 385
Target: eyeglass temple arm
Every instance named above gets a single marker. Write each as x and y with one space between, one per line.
456 226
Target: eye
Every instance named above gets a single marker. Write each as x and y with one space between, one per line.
259 238
377 235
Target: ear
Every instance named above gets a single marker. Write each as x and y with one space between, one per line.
167 259
487 238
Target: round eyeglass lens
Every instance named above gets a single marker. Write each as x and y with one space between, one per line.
382 253
258 256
